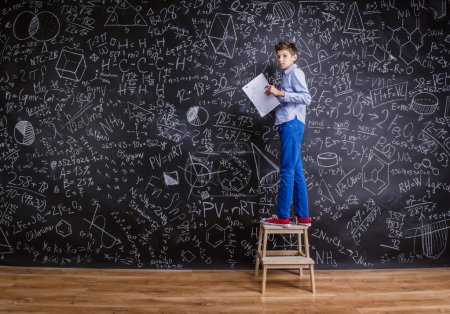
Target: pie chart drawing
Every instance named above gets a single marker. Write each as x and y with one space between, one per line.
24 133
197 115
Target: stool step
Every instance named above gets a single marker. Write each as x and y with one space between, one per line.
298 229
285 229
287 260
283 253
293 253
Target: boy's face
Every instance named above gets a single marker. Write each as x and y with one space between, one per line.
285 58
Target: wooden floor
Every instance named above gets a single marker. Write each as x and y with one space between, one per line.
50 290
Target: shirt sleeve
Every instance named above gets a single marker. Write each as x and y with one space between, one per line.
300 93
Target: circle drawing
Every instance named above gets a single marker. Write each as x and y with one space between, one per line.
42 26
22 24
197 174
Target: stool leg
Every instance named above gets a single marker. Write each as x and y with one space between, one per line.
300 252
264 252
306 243
264 249
313 280
301 272
264 279
258 251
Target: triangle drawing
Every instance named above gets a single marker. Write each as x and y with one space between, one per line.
124 14
325 191
136 111
303 47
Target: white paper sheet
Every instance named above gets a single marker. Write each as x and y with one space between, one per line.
255 90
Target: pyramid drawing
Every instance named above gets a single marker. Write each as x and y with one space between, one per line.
222 35
124 14
171 178
353 22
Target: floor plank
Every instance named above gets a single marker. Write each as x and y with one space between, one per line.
60 290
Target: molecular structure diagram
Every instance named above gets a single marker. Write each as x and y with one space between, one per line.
405 44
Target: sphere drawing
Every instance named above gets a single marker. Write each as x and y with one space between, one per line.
283 10
197 115
24 133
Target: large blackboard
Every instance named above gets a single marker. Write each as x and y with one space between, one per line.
127 141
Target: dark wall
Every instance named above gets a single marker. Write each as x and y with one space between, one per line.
127 141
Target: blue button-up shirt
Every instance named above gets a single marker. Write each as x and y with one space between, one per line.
293 103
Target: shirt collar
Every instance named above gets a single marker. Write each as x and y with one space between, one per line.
290 69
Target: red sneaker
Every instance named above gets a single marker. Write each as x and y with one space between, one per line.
303 221
275 221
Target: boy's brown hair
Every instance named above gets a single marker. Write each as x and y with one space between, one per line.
286 45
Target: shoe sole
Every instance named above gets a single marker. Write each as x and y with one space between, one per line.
274 224
307 224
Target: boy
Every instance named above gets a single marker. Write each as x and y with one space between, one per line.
290 118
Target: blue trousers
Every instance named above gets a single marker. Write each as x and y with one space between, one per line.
292 178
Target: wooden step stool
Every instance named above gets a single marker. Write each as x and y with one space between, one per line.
271 259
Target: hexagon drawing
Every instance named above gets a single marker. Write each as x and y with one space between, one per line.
408 52
215 235
234 174
417 38
375 175
63 228
394 49
71 64
222 35
400 35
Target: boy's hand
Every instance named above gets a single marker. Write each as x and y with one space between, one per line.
270 89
